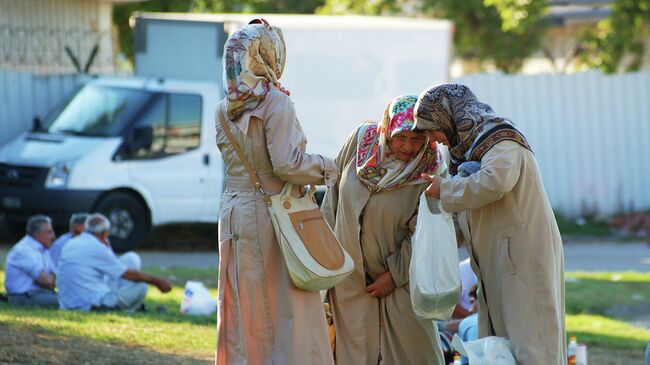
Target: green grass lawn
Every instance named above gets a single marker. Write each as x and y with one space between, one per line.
32 336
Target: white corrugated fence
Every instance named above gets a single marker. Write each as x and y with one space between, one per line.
590 133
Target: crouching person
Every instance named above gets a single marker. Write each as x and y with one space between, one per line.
88 270
30 278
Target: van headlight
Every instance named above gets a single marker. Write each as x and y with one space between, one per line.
57 178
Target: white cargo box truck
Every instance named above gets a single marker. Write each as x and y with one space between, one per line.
142 149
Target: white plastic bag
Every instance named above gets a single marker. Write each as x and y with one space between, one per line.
434 277
491 350
197 299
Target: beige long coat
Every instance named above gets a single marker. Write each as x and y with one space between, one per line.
263 318
369 329
516 252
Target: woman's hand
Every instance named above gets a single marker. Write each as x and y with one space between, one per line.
383 286
433 190
282 89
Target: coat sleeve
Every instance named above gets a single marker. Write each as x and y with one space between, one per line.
331 199
500 169
286 142
400 260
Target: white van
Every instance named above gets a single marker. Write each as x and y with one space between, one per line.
141 151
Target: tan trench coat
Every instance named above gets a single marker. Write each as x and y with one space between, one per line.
516 252
369 329
263 318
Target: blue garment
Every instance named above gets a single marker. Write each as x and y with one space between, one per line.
468 331
469 167
55 249
24 264
468 328
84 264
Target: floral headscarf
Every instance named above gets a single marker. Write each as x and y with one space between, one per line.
379 171
253 61
471 127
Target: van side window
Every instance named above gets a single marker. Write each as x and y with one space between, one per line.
184 128
170 126
155 120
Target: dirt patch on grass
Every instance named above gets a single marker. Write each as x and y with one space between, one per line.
34 345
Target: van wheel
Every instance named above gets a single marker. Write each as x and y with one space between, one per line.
130 222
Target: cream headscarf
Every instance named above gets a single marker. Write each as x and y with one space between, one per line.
253 62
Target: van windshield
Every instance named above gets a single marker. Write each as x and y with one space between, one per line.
96 111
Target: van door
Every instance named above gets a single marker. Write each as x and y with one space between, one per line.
166 159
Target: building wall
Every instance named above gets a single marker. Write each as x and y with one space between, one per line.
34 34
24 95
589 131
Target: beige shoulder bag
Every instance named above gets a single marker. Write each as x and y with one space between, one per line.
315 258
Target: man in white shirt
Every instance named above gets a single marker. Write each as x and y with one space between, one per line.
30 277
85 263
467 280
77 221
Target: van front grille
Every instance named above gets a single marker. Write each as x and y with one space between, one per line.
22 176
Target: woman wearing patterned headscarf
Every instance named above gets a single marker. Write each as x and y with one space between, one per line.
373 213
263 318
516 250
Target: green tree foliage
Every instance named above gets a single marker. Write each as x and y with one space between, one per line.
122 12
620 35
258 6
502 33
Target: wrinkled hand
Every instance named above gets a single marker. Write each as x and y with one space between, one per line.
433 190
164 285
383 286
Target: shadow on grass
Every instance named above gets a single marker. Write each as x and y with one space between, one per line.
612 341
595 296
32 344
172 314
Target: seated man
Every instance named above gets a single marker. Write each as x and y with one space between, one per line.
467 282
30 279
85 263
76 227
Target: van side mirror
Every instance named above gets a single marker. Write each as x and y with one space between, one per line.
141 138
36 124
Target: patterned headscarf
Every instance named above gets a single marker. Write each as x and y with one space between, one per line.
253 61
376 169
471 127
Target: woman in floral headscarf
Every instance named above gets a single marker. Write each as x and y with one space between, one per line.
263 318
515 245
373 210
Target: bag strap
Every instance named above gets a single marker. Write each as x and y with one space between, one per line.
251 172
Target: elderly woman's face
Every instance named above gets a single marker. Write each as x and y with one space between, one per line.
406 145
438 137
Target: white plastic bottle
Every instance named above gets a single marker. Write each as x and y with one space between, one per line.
572 350
581 354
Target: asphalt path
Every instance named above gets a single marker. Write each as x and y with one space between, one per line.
578 256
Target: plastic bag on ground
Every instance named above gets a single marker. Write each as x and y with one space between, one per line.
197 299
491 350
434 280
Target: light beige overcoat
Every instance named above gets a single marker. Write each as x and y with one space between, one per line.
516 252
376 229
263 317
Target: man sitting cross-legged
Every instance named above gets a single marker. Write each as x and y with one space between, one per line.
86 263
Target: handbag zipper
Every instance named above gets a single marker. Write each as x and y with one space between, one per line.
300 222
